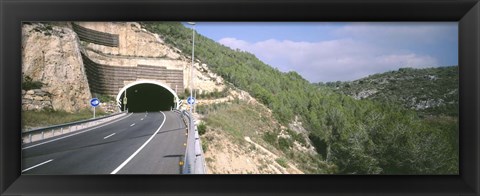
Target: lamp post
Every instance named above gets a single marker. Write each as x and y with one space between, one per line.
191 69
190 159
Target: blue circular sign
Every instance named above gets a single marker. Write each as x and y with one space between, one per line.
191 100
94 102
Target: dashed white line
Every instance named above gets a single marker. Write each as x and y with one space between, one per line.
109 136
121 118
141 119
141 147
132 124
36 165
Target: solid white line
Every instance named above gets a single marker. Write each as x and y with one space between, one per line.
75 133
36 165
109 136
132 124
141 147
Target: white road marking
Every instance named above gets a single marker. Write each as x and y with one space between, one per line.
132 124
141 147
109 136
76 133
36 165
141 119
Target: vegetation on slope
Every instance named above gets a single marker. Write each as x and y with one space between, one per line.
44 118
358 136
431 91
240 119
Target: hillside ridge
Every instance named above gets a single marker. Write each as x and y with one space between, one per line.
430 91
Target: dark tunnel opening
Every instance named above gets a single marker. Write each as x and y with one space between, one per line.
147 97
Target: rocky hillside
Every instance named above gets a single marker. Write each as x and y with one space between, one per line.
51 56
240 136
432 91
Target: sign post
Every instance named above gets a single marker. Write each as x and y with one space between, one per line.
191 100
94 103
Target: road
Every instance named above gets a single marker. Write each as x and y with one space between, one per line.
139 143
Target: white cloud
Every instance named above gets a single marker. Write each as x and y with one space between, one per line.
340 59
233 43
395 34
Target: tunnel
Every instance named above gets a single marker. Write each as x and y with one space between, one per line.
146 96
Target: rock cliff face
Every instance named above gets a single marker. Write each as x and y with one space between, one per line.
51 55
36 99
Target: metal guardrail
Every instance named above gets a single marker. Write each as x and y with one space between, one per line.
194 159
47 132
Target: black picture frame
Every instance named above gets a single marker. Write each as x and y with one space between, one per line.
13 12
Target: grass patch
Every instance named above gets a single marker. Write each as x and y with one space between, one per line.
282 162
45 118
204 146
209 160
238 119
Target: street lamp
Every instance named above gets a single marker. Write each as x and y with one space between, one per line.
191 139
191 69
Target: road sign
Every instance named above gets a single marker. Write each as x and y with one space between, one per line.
94 102
191 100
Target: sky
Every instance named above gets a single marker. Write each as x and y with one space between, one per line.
327 52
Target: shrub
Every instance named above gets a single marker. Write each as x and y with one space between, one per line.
28 83
270 138
282 162
105 98
202 128
204 146
284 143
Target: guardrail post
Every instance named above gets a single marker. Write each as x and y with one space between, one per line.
53 132
43 136
30 136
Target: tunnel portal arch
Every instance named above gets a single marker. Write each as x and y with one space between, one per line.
176 103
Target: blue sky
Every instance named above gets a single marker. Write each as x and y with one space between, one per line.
323 51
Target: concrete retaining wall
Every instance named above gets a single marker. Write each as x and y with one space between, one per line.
96 37
107 79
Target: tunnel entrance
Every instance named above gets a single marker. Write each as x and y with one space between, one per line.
146 96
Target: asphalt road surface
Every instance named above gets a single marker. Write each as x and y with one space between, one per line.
139 143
